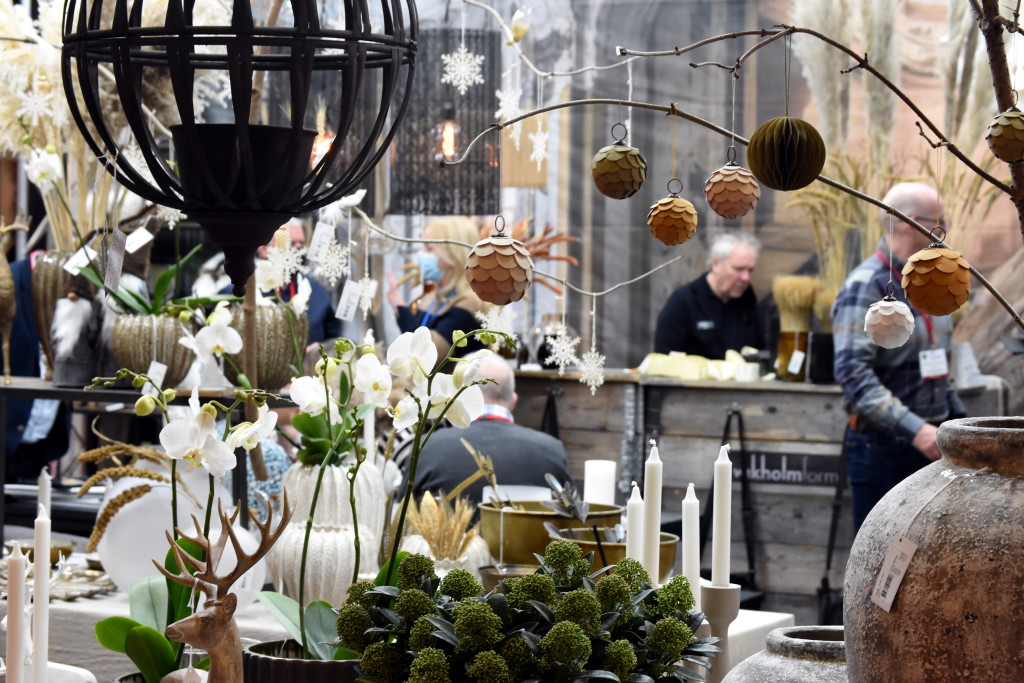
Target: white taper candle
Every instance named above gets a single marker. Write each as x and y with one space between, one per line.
635 525
41 597
17 567
45 486
652 513
691 543
721 523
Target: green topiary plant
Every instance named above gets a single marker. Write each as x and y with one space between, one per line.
560 624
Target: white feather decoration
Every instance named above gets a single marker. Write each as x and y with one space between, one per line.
72 320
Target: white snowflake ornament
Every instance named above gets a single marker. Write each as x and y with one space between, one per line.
334 262
539 140
889 323
462 69
500 319
287 260
367 290
563 349
592 369
508 108
36 105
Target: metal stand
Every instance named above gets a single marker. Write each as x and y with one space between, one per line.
721 605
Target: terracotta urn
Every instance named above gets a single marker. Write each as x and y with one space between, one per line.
956 615
795 654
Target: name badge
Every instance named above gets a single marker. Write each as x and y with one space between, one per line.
933 363
705 324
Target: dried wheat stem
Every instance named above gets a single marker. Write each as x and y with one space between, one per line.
123 471
111 509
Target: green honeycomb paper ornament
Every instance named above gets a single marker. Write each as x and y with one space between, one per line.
786 153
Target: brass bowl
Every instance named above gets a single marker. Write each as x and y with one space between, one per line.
59 547
614 552
491 574
516 534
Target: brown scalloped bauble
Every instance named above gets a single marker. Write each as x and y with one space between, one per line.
499 269
1006 135
619 170
732 191
786 153
937 280
673 220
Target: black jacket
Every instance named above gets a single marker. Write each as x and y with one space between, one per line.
694 320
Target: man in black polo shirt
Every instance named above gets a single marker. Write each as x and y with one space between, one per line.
718 310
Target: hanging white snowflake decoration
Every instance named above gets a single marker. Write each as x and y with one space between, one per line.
367 290
539 139
508 108
37 104
462 69
334 262
592 369
287 260
499 319
563 349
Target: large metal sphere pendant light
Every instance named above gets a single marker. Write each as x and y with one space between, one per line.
242 178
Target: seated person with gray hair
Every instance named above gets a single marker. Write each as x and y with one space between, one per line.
521 456
718 310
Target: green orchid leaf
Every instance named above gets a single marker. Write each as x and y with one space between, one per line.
285 610
383 573
179 596
321 629
163 283
147 602
125 302
345 653
363 410
138 303
151 652
311 427
112 631
344 388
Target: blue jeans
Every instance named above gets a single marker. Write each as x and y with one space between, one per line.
877 462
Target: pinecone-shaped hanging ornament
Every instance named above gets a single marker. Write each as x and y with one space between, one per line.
732 191
786 153
889 322
937 280
1006 135
619 170
673 220
499 269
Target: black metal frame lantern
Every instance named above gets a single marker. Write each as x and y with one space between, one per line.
242 178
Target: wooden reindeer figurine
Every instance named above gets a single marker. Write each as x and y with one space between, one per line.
8 304
213 628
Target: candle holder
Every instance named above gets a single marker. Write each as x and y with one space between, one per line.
721 605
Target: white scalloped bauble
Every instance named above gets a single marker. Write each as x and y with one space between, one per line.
889 323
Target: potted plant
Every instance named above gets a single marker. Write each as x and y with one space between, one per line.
562 623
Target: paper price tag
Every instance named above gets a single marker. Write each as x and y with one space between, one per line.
156 372
349 301
933 363
79 260
323 233
115 261
138 239
796 363
894 568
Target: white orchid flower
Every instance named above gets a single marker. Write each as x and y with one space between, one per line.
216 340
248 435
300 301
195 440
373 379
221 314
309 395
405 414
466 370
268 276
413 354
467 407
44 169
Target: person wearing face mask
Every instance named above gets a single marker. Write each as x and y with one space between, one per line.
718 310
448 303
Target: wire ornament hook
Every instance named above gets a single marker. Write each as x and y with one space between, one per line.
669 185
499 230
619 139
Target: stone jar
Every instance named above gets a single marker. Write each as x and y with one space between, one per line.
796 654
957 613
137 340
48 276
282 661
282 336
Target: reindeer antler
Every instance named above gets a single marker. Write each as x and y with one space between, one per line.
205 575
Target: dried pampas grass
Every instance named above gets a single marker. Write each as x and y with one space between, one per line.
794 296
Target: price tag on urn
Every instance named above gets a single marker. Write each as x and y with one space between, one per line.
796 363
349 301
897 559
138 239
156 372
80 259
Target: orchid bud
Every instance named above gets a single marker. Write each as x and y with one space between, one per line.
184 317
138 381
209 409
145 405
169 395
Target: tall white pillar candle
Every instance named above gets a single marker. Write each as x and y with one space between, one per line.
691 543
652 513
41 597
599 481
45 489
635 525
721 521
17 566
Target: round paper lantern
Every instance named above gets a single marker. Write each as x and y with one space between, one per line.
786 153
732 191
889 323
673 220
1006 135
619 170
937 280
499 269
